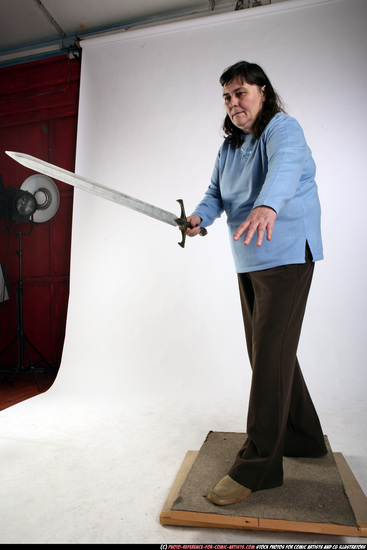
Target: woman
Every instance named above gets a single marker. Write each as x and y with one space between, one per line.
264 180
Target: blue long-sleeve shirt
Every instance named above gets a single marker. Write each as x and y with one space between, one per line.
277 171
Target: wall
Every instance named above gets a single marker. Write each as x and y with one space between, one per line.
38 115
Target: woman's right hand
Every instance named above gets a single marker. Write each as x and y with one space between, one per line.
195 222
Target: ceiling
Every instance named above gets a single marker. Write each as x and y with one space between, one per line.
31 29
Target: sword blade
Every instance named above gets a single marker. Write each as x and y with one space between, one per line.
92 187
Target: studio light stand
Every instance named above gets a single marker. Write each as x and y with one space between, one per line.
20 340
37 195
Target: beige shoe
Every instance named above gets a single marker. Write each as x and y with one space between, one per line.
228 491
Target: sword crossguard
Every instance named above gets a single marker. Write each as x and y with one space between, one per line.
183 224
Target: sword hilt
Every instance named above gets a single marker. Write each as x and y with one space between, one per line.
183 224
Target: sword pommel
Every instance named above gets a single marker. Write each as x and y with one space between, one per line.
183 224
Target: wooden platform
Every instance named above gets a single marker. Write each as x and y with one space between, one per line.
223 517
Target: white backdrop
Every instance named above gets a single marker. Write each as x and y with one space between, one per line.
152 321
156 331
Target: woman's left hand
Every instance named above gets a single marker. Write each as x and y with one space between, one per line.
260 220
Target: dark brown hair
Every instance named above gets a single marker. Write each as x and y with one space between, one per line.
252 74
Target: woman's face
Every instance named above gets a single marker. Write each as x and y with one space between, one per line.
243 102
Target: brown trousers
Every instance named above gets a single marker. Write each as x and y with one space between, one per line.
282 420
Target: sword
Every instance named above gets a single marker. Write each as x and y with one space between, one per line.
107 193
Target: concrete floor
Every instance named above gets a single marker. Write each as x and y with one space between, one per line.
84 471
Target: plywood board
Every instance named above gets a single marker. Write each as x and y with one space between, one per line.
351 521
